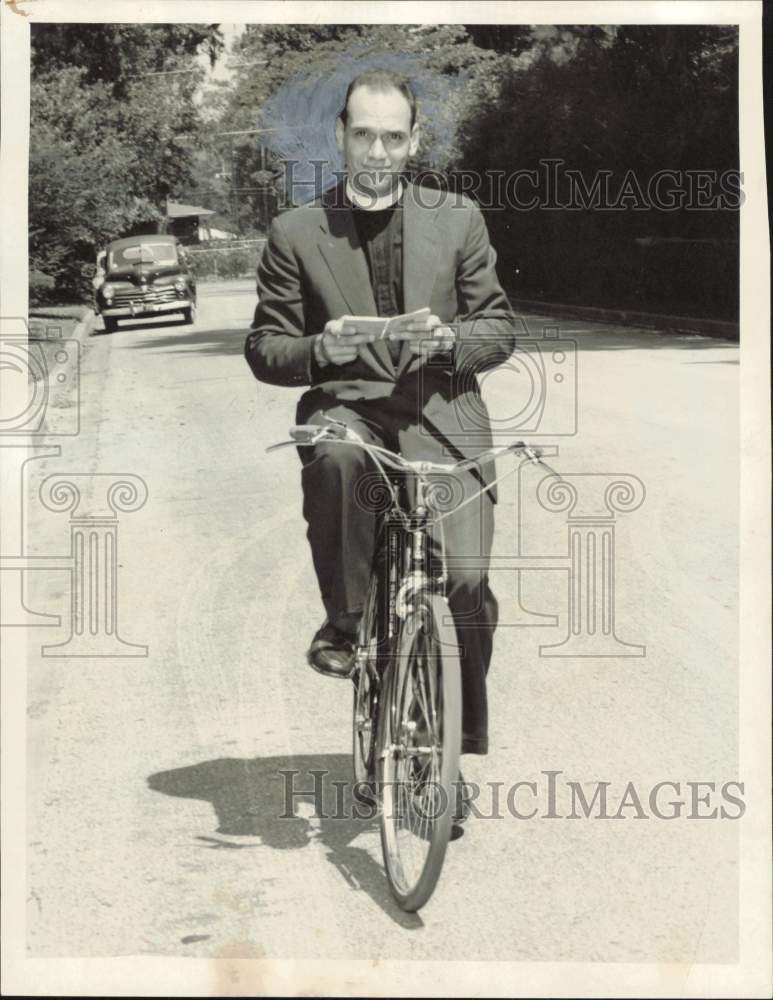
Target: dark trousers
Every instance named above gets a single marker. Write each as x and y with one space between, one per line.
337 480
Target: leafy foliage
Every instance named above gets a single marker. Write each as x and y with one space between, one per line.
629 101
108 142
119 53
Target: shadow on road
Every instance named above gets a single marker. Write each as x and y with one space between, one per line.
590 336
231 340
150 324
310 801
730 361
227 341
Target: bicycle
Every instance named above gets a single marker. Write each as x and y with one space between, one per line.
407 716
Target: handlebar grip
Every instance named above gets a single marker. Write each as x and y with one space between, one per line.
304 432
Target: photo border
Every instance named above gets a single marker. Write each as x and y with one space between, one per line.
137 975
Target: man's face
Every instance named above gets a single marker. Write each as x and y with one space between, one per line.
377 139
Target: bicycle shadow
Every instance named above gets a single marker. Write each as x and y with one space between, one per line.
289 802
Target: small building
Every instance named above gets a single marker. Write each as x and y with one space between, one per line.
184 221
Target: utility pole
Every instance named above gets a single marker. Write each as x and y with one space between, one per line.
234 198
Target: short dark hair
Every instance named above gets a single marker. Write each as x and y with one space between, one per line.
381 79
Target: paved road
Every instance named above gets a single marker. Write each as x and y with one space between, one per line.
155 798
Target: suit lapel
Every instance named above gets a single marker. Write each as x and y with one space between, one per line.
344 256
420 253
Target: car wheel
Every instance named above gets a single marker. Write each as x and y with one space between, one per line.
189 314
111 324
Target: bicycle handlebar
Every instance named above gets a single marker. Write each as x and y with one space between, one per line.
339 433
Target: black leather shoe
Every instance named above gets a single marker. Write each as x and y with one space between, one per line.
332 652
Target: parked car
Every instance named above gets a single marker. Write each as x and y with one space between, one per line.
145 276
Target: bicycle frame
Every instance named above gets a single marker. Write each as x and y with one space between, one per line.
336 432
417 522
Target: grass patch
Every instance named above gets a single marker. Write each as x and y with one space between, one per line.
63 312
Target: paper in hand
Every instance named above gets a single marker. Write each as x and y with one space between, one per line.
380 327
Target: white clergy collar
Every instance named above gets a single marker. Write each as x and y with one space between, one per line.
370 204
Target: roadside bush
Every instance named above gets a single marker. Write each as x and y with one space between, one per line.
41 287
225 263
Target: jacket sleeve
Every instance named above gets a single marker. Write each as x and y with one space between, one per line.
486 327
277 348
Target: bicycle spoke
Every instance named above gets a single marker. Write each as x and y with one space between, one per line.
433 697
427 705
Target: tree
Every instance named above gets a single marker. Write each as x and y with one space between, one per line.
113 132
629 101
81 184
118 53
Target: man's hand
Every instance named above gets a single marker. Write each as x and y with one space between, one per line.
426 337
336 346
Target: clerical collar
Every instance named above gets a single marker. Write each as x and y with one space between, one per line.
370 204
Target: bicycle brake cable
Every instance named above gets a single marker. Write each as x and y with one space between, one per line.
535 459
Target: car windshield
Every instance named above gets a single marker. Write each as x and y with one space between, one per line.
143 253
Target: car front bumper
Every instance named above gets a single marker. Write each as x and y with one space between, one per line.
146 308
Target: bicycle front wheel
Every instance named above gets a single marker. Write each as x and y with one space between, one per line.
420 745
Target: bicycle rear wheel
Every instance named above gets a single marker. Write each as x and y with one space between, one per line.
420 742
366 697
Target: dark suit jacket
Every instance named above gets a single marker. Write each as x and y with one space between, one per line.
313 269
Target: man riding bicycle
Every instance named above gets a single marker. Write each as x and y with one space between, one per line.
377 245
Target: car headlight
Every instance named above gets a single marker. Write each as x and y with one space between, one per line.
180 285
108 290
